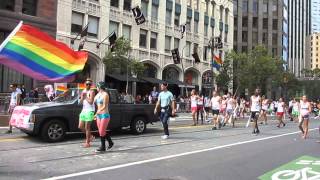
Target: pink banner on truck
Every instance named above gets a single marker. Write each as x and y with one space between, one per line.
21 116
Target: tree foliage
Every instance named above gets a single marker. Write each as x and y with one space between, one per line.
225 76
120 61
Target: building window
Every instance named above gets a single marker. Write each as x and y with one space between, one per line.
176 20
7 5
226 16
188 49
144 8
153 41
274 38
93 26
245 21
76 22
195 48
255 37
275 7
127 5
212 31
114 3
188 24
221 13
154 13
168 17
167 47
213 8
265 38
126 32
113 27
275 24
235 7
206 29
195 27
255 22
143 38
176 43
265 23
244 36
265 6
29 7
245 6
255 7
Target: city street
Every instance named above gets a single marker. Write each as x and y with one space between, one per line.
191 152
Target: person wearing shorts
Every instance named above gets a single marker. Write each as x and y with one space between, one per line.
305 111
194 107
87 114
200 108
15 100
295 110
231 105
103 116
215 106
255 102
280 112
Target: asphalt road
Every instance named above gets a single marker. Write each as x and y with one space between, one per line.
190 153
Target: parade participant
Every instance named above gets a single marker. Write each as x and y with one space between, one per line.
280 112
87 114
103 116
255 102
154 95
15 100
215 107
231 105
194 101
207 108
305 111
264 109
295 109
165 104
49 92
242 107
290 109
223 107
200 108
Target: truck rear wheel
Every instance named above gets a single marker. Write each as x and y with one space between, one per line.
138 125
53 131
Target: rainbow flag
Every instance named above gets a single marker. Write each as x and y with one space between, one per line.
216 62
36 54
82 86
61 89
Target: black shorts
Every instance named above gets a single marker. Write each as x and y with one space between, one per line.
207 109
254 114
290 110
215 112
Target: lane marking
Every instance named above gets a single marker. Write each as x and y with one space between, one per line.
169 157
11 139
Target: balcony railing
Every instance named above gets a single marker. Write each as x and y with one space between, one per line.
115 13
86 6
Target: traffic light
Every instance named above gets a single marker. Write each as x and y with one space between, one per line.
196 57
176 56
138 15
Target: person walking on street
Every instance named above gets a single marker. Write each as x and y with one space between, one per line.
15 100
295 110
103 116
264 109
215 107
194 101
165 104
154 95
242 107
200 108
255 102
231 105
305 111
87 114
280 112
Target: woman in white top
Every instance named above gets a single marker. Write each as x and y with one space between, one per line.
264 109
295 110
87 114
255 102
215 107
231 105
305 110
194 107
280 112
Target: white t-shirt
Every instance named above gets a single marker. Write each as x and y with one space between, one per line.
215 103
230 104
86 105
193 101
280 107
255 104
304 108
14 96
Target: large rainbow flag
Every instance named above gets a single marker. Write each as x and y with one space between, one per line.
36 54
216 62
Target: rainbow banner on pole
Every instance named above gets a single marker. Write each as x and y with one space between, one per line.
34 53
217 62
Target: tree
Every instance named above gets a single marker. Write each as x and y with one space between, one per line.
316 73
224 77
120 61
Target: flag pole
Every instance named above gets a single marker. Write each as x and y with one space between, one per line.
15 30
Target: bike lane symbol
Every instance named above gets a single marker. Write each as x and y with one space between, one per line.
303 168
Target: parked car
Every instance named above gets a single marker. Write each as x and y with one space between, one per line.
52 120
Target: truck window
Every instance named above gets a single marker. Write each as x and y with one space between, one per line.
113 96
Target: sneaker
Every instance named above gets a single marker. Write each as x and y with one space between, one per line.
8 132
164 137
214 128
257 131
100 149
110 146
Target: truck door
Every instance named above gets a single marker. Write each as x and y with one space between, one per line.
115 110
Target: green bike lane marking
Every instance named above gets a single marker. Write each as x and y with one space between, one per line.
304 168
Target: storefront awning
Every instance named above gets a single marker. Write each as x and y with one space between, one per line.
121 77
180 83
152 80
